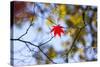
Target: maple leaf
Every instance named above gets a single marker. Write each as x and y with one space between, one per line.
57 30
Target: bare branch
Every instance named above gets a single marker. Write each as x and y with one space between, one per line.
36 46
73 43
83 14
25 42
74 40
26 31
28 47
46 56
46 41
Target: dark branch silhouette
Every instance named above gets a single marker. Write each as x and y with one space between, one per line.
75 40
25 42
47 41
19 39
76 37
36 46
47 56
28 47
27 29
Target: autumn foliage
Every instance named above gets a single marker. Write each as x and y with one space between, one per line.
36 27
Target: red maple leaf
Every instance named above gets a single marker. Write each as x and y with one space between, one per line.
57 30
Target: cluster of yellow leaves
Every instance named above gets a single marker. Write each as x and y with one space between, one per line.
62 11
71 31
77 20
52 53
81 52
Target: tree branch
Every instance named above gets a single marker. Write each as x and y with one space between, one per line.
25 42
46 55
46 41
67 52
26 31
28 47
37 47
74 40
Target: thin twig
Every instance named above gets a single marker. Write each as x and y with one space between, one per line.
74 40
36 46
46 55
83 14
67 52
46 41
27 29
25 32
25 42
28 47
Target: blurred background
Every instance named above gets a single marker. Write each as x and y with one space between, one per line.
35 20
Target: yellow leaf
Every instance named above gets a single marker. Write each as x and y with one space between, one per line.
31 18
52 53
81 50
71 31
62 11
77 20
